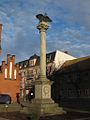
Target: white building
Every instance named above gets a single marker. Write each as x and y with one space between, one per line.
61 57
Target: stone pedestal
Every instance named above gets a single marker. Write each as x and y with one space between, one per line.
43 104
43 100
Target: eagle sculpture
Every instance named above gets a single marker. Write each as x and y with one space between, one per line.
44 18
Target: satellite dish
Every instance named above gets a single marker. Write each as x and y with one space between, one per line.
44 18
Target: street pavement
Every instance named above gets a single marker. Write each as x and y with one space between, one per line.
87 118
3 118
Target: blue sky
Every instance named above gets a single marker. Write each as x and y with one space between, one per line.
69 31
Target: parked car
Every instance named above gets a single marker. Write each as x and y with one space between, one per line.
5 99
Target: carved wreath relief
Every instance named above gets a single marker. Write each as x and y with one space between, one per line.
46 91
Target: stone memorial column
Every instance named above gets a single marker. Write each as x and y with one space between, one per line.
43 101
42 26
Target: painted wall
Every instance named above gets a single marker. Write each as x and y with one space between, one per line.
61 57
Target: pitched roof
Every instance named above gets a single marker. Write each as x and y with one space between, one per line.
76 65
49 56
33 57
23 64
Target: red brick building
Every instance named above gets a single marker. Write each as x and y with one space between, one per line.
10 78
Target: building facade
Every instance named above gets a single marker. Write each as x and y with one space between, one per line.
9 78
30 68
72 82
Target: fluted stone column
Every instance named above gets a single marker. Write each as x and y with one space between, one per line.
42 26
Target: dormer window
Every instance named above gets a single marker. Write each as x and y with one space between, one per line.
31 62
20 67
48 58
25 65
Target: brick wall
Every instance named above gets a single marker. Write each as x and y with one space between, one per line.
10 78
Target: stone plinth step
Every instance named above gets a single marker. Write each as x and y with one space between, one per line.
44 108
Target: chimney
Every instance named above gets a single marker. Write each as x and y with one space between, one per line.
3 65
3 62
13 57
8 58
66 52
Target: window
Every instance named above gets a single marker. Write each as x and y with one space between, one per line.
69 78
10 72
79 92
5 73
78 76
87 92
15 74
48 59
25 64
69 92
20 66
23 74
31 71
86 76
31 62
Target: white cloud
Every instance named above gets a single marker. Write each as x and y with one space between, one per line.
68 31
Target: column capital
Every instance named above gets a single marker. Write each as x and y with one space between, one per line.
42 26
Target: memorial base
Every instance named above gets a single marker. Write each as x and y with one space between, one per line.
43 103
44 107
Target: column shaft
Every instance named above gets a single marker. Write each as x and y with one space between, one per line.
42 53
